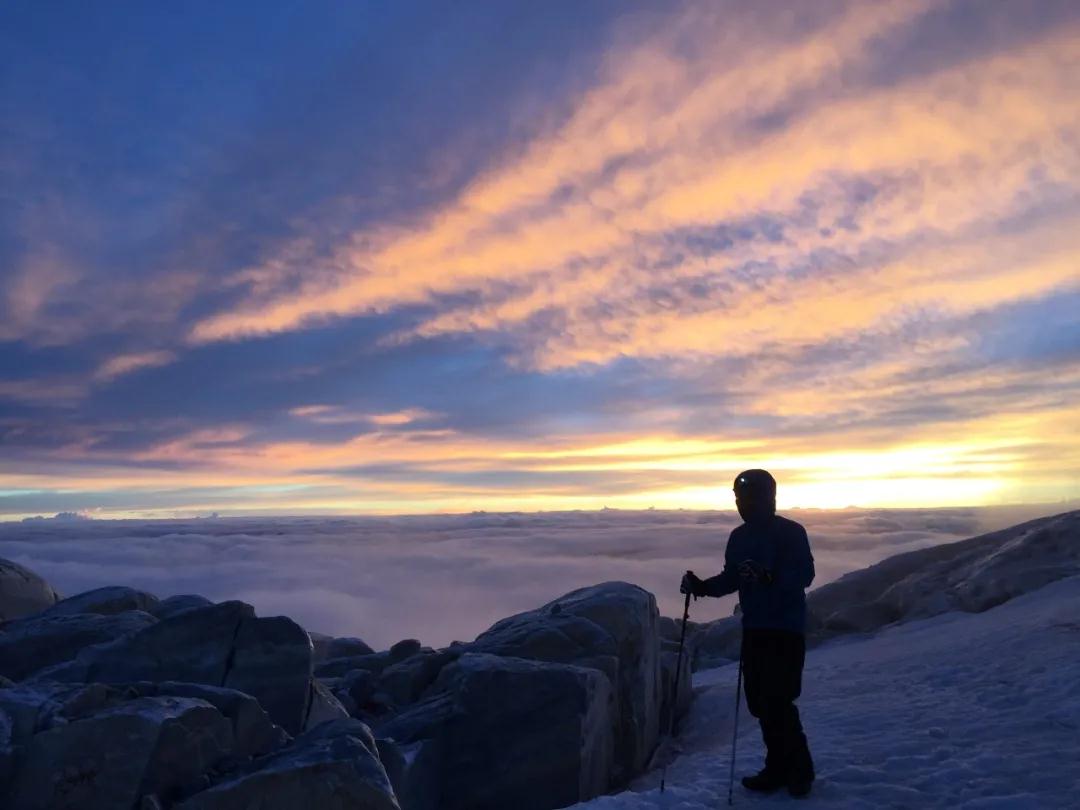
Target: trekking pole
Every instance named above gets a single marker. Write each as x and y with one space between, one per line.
735 730
675 688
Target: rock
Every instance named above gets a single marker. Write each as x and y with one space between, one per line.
152 745
413 771
679 701
508 732
104 602
671 629
717 643
359 685
404 649
178 604
219 645
35 642
272 662
195 646
320 642
30 708
22 592
347 647
253 732
405 681
335 766
336 667
613 627
322 706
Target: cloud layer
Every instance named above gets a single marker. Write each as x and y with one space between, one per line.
442 578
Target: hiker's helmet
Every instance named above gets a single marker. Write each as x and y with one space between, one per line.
755 495
755 482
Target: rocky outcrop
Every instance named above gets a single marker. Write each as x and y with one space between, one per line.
347 647
253 732
507 732
110 758
323 707
335 766
104 602
545 709
612 627
221 645
271 660
178 604
33 643
22 592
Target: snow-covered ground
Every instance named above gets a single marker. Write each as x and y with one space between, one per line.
960 710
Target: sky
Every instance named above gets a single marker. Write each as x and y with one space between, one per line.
327 257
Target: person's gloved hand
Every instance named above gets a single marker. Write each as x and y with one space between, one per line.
753 571
692 584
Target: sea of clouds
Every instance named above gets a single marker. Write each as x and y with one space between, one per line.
446 577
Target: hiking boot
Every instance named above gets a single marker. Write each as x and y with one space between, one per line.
799 788
764 781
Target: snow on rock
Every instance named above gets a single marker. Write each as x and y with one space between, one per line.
971 575
958 710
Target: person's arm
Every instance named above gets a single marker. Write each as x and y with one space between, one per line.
797 570
727 581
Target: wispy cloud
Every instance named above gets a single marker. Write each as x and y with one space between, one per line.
613 258
126 363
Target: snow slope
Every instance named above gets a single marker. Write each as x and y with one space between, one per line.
971 575
959 710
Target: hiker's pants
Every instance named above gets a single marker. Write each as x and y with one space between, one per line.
772 677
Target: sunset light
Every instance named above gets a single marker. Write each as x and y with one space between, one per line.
352 262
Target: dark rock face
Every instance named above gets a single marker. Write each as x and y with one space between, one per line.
33 643
404 649
253 732
114 756
508 732
323 706
405 681
177 604
272 661
104 602
22 592
335 766
613 627
122 700
413 770
220 645
347 647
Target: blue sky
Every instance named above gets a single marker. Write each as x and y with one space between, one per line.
371 257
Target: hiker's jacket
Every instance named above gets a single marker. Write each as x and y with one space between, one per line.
781 546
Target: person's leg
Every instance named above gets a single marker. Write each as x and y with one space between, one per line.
772 701
790 658
756 652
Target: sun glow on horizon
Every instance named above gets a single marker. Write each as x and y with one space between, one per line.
612 265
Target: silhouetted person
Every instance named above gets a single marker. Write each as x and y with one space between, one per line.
768 561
